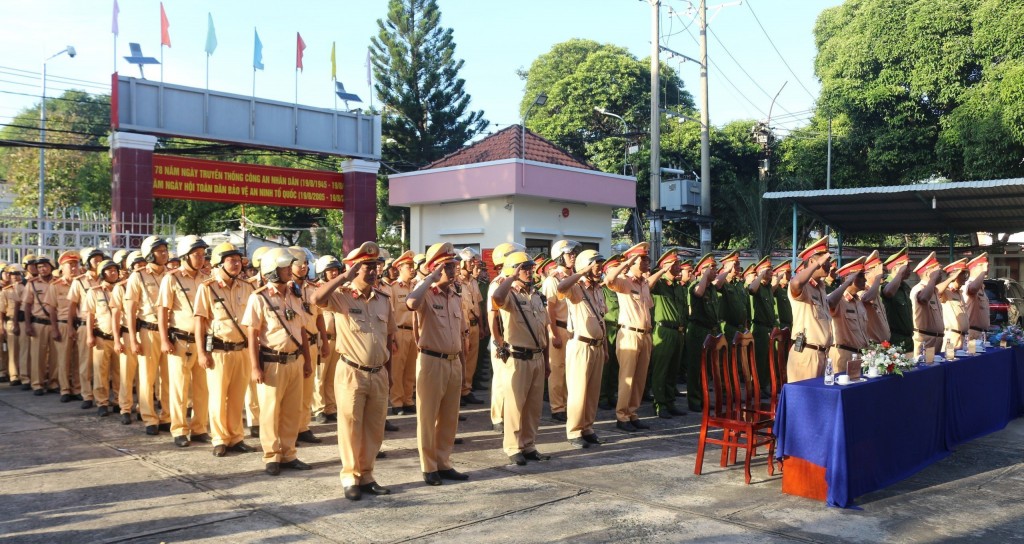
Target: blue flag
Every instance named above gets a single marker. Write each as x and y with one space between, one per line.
257 52
211 35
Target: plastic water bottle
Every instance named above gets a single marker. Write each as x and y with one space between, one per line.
830 377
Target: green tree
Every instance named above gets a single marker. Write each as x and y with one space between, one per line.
76 177
426 111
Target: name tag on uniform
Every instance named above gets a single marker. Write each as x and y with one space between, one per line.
401 297
186 289
520 302
851 311
275 308
437 306
635 292
355 311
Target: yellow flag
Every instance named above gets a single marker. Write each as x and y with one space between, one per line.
334 64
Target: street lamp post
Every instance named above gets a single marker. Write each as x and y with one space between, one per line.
625 129
541 99
70 50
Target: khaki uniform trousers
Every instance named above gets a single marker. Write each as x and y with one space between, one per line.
308 388
85 362
362 408
252 403
280 404
470 359
524 399
497 386
557 391
323 396
924 341
104 366
633 349
810 363
403 369
188 381
584 365
24 356
41 350
438 386
152 369
228 382
14 367
67 360
129 363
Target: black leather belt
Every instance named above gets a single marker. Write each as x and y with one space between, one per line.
672 325
634 329
439 355
178 334
313 338
220 345
370 369
40 320
961 333
816 347
124 330
928 333
268 355
524 354
79 323
6 319
64 321
978 329
140 324
589 341
406 327
848 348
100 334
474 322
562 324
21 315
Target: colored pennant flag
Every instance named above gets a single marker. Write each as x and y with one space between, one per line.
165 35
367 66
334 63
257 52
300 46
113 25
211 35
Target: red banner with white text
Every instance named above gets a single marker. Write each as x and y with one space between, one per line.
198 179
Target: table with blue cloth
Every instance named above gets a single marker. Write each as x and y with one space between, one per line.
872 434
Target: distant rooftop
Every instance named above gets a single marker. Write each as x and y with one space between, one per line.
507 144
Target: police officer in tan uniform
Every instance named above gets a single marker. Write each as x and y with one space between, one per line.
365 333
59 309
101 329
39 328
587 350
325 407
316 330
871 296
403 361
17 343
279 358
221 347
563 255
924 298
91 258
442 328
496 327
633 344
849 320
523 355
471 301
252 397
954 316
975 299
141 317
812 320
128 360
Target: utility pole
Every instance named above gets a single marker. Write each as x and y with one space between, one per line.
705 136
655 130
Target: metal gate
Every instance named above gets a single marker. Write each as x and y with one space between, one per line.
62 230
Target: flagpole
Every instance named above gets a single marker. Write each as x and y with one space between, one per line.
161 63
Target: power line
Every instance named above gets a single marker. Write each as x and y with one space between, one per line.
727 80
96 102
801 83
38 75
742 69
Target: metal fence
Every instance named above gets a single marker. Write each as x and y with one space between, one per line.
62 230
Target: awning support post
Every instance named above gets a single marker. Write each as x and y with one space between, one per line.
950 246
793 262
839 258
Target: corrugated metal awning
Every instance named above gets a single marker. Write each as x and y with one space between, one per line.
958 207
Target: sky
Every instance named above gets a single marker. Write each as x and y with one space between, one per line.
495 38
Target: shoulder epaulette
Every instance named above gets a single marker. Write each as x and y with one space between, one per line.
259 290
381 293
209 280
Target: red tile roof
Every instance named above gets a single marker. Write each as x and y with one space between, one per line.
507 144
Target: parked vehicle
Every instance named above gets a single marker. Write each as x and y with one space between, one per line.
1005 301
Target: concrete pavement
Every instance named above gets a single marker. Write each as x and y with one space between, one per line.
69 476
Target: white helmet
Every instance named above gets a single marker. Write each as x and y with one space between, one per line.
150 244
190 243
274 259
562 247
586 258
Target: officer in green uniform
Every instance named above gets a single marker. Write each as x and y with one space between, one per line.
704 311
671 312
896 297
780 283
610 378
735 302
763 300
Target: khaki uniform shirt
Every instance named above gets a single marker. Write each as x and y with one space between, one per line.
143 288
223 306
178 294
442 321
98 303
976 308
57 296
811 315
928 316
878 322
849 322
311 310
586 307
268 310
514 322
398 291
364 324
954 315
635 301
79 289
13 294
471 299
35 294
549 288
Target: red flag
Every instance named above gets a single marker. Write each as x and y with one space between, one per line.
300 46
165 35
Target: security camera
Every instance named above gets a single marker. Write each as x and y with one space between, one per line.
71 51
